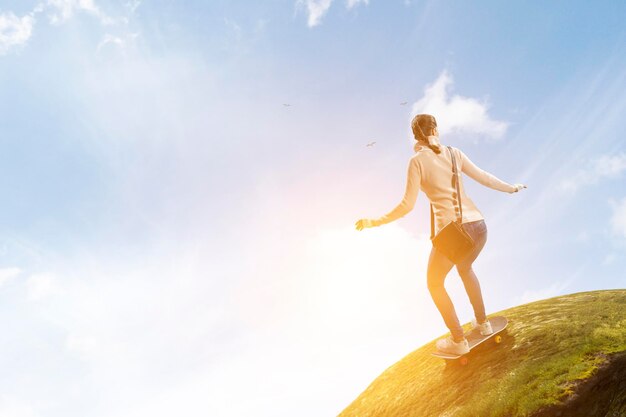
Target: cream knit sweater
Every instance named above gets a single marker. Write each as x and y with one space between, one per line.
432 173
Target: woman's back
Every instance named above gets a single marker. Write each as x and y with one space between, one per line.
437 181
432 172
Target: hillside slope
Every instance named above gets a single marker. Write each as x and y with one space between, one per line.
561 356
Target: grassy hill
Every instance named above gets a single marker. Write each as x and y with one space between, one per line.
561 356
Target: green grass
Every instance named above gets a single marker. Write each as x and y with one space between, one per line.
550 346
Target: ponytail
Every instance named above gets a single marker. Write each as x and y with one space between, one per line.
434 144
428 122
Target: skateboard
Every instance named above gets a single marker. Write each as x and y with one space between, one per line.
474 338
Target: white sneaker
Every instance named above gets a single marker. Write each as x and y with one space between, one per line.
448 345
484 328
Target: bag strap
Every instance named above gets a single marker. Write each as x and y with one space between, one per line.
458 193
456 183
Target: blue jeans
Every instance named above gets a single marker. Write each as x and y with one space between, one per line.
439 266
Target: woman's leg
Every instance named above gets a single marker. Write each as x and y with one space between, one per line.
438 267
478 231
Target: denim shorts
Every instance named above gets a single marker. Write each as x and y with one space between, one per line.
478 231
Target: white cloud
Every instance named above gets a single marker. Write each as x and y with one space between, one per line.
9 407
110 39
40 286
118 41
605 166
316 10
14 31
63 10
140 330
7 274
82 345
351 3
618 218
133 5
457 114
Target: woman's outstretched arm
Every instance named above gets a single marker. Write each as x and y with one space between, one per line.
484 177
410 195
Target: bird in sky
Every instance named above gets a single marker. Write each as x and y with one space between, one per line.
403 103
371 143
286 104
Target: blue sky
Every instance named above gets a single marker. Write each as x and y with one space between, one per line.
176 240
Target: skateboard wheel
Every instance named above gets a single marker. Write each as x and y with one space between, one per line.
498 339
463 361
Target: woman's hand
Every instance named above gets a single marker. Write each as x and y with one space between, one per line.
518 187
365 223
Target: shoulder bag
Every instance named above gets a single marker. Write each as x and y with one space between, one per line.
453 241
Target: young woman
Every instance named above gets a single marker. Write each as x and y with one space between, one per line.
430 169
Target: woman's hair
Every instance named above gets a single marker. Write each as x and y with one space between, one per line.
423 126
